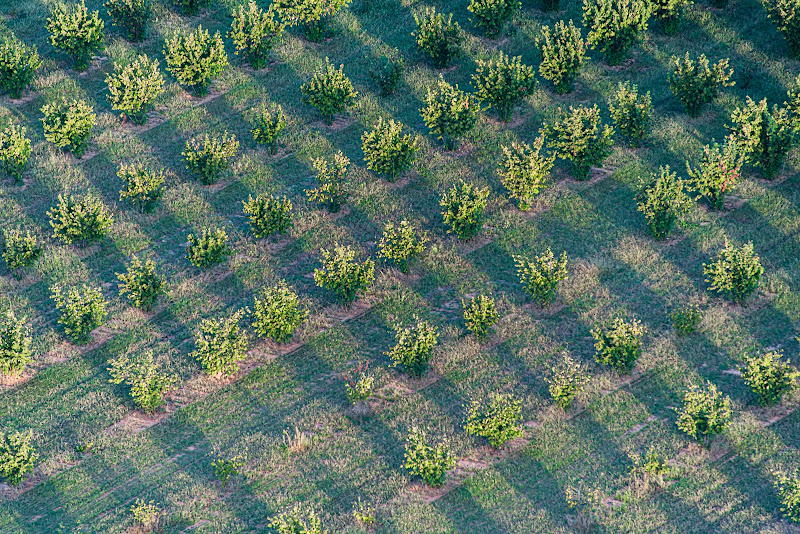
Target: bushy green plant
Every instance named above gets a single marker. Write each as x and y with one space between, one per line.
15 344
133 88
736 272
523 171
502 82
269 123
207 156
786 14
686 320
18 65
769 376
191 7
386 150
227 468
268 215
298 520
75 31
80 219
143 186
20 250
220 345
462 209
413 347
209 248
17 456
359 384
449 112
329 90
788 488
145 513
765 136
277 313
719 171
400 244
497 420
662 200
705 412
615 26
313 16
437 37
567 381
69 124
15 150
195 58
631 112
581 138
141 283
333 182
431 463
540 277
130 15
480 315
255 32
668 13
696 83
387 73
82 309
618 344
343 275
148 385
563 53
492 15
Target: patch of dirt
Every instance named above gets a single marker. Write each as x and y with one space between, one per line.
339 123
401 182
154 119
27 96
465 148
135 422
212 94
624 65
94 65
733 202
87 155
516 120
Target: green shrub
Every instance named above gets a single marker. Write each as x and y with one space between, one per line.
523 171
277 313
329 90
15 344
581 138
449 112
686 320
766 136
696 83
540 276
69 124
736 272
76 32
207 157
141 283
631 112
191 7
662 200
438 37
492 15
788 488
270 122
359 384
208 249
668 13
462 209
268 215
20 250
15 150
786 14
130 15
387 73
400 244
134 87
769 377
313 16
567 381
615 26
83 219
18 65
145 514
343 275
195 58
503 82
148 385
497 420
298 520
563 53
431 463
618 344
82 310
143 187
705 412
413 347
220 345
333 183
718 172
480 315
17 456
386 150
225 469
255 32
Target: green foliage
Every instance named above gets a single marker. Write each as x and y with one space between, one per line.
268 215
333 183
618 344
438 37
431 463
413 347
736 272
686 320
480 315
492 15
449 112
76 32
497 420
363 513
567 381
503 82
191 7
195 58
143 187
148 385
540 276
141 283
134 87
581 138
15 150
769 377
631 112
255 32
668 12
386 150
20 250
18 65
220 345
17 456
615 26
277 313
462 209
15 344
523 171
387 73
145 513
766 136
84 219
400 244
788 488
697 83
270 122
563 53
312 15
208 249
69 124
359 384
786 14
329 90
705 412
343 275
130 15
82 310
719 171
207 157
298 520
662 200
225 469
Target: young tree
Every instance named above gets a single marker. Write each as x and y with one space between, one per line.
268 215
82 219
69 124
431 463
134 87
705 412
15 344
82 310
502 82
563 53
413 347
387 73
333 182
148 385
437 37
359 385
631 112
492 15
765 136
401 244
343 275
480 315
298 520
20 250
618 344
788 487
208 249
386 150
769 376
449 112
662 200
269 123
786 14
541 276
329 90
523 171
141 283
277 313
76 32
719 171
221 345
581 138
130 15
686 320
207 157
15 150
195 58
736 272
696 83
255 32
668 12
18 66
17 456
143 187
615 26
567 381
497 420
313 16
462 209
